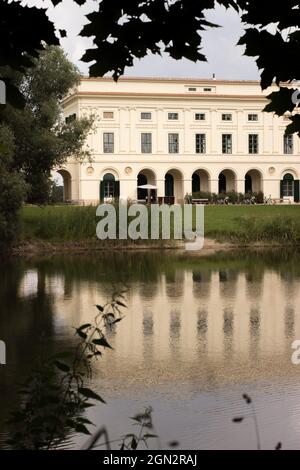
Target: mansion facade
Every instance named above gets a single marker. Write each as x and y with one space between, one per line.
181 136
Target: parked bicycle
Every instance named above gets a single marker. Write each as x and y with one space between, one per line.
269 200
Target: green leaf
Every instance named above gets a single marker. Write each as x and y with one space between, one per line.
134 444
238 420
121 304
82 429
81 334
85 421
102 342
88 393
294 126
84 327
280 101
99 307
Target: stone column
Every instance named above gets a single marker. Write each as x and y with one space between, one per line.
240 186
160 187
187 186
214 186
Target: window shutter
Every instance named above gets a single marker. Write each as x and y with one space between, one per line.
101 191
117 189
296 191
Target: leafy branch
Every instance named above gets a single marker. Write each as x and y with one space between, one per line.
56 395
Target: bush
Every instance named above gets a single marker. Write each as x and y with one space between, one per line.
259 197
202 195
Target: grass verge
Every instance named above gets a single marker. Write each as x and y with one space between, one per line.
237 224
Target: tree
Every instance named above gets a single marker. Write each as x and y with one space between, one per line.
123 30
24 32
12 189
42 139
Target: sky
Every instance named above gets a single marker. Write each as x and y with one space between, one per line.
225 59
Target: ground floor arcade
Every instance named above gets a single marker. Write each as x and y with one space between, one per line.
91 183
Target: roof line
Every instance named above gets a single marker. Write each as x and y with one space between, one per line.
171 79
158 95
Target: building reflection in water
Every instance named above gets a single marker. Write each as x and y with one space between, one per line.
185 320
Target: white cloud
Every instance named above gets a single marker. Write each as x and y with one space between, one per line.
225 59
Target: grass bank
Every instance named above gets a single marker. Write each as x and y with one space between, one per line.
253 224
241 225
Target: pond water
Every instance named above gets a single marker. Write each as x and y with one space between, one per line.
199 332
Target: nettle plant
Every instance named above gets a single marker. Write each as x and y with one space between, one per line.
55 397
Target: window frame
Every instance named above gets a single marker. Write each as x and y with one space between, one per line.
106 118
253 115
287 146
253 147
228 115
174 143
109 146
200 114
226 150
144 113
288 186
173 118
146 147
200 146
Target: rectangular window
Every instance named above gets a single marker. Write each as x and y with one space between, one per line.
70 118
146 142
288 144
173 143
207 89
192 89
173 116
226 117
253 143
108 142
253 117
200 143
226 143
146 116
108 115
200 117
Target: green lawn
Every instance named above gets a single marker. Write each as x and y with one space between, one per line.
224 221
235 223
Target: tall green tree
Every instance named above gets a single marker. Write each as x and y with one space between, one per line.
42 138
12 189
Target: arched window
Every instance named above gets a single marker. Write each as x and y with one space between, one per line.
288 185
109 185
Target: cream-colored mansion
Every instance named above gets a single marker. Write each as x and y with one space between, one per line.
180 136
